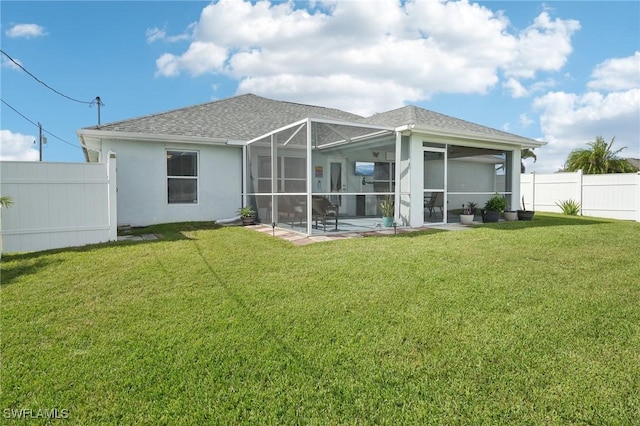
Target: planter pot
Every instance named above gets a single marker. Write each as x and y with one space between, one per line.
490 216
525 214
510 215
248 220
466 219
387 221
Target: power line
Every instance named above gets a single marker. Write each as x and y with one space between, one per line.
43 83
37 125
19 113
60 139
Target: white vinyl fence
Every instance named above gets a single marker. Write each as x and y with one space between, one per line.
57 205
615 196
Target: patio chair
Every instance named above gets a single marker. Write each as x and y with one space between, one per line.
435 201
323 210
291 209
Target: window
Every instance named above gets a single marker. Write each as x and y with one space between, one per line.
182 177
294 179
384 177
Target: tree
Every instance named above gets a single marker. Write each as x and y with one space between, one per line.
598 159
524 154
6 201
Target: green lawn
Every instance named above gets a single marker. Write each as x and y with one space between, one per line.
512 323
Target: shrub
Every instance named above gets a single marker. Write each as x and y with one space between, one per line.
470 209
569 207
387 206
497 203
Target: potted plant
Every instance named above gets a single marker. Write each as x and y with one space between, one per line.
525 214
387 208
510 215
468 213
493 207
247 215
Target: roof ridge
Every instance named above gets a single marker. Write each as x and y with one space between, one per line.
159 114
241 117
413 114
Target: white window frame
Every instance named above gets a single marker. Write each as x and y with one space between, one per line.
196 177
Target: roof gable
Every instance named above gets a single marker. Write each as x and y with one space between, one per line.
424 118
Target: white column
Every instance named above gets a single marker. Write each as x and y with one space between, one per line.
416 158
309 180
396 212
515 179
244 176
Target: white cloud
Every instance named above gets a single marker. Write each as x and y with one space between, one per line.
159 34
155 34
516 88
524 120
7 63
570 120
352 94
418 48
198 59
17 147
543 46
617 74
541 86
25 31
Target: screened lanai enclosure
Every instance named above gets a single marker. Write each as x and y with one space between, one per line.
320 176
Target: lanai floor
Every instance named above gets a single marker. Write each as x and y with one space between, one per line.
301 239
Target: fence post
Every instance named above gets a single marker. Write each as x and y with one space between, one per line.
638 198
533 192
113 196
580 189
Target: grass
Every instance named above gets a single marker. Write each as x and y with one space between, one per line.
510 323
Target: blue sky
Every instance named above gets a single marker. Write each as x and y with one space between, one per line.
562 72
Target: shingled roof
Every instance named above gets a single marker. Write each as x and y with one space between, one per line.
242 117
248 116
424 118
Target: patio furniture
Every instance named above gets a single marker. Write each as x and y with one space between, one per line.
323 210
435 201
292 209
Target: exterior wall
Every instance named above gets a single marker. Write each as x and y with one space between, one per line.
469 176
615 196
57 205
142 182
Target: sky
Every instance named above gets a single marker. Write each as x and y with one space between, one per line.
559 72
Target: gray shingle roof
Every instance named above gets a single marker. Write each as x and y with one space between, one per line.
246 117
635 162
241 117
425 118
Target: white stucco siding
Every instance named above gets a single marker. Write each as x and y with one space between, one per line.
142 182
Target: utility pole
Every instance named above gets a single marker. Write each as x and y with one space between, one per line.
98 102
41 139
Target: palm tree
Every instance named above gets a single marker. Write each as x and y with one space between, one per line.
6 201
598 159
524 154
